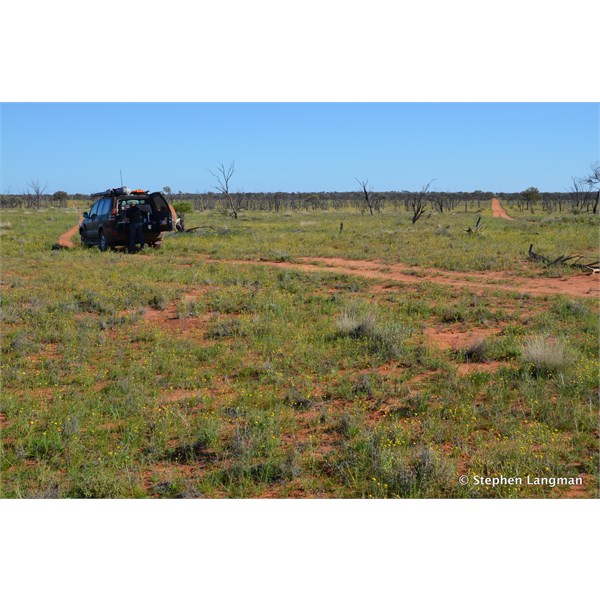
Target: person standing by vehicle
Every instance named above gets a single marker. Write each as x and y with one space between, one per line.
136 223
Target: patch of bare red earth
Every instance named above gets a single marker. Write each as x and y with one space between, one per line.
450 339
169 319
457 340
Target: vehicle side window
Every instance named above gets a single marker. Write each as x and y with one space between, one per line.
104 207
94 209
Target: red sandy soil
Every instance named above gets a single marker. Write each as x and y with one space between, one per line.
449 339
169 319
498 211
455 340
487 367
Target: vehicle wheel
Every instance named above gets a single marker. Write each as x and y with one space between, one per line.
103 242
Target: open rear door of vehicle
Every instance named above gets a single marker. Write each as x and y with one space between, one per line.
162 212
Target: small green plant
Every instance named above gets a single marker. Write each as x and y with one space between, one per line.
188 308
226 328
297 400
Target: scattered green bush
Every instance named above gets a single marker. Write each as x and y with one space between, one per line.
183 207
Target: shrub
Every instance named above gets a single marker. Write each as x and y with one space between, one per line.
476 350
93 483
546 354
228 328
183 207
158 301
382 463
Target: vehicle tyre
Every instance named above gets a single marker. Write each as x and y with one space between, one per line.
103 242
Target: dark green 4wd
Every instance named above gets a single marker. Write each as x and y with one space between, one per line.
105 224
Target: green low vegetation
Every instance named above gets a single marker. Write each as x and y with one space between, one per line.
175 374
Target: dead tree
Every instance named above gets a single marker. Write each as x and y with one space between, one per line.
593 180
581 191
37 191
418 203
223 176
367 194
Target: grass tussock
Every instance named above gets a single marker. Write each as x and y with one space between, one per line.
547 355
385 339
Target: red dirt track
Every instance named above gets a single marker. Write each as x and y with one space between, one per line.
498 211
583 286
65 239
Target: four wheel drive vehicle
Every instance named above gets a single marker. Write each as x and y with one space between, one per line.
105 224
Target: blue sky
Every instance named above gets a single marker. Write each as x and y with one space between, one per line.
81 147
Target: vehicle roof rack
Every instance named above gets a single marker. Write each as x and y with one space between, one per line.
121 191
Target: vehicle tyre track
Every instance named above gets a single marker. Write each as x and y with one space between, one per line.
65 240
576 285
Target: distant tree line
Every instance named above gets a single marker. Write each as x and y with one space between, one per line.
414 202
582 196
582 200
362 201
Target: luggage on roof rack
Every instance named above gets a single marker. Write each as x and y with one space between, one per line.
122 191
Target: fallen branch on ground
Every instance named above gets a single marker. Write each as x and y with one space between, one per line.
198 227
572 260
